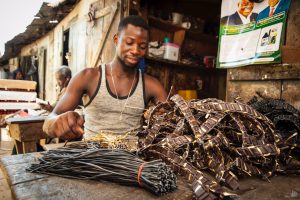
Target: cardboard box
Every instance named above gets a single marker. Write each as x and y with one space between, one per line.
171 51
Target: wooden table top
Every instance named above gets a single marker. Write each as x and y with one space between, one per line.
25 120
25 185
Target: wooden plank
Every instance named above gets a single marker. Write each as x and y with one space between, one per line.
5 192
14 168
27 132
18 159
105 11
19 146
164 25
19 84
108 25
156 34
290 54
278 188
25 120
14 132
247 89
166 79
62 188
265 72
290 92
27 185
293 24
179 37
29 147
48 147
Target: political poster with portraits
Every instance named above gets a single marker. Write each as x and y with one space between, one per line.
251 32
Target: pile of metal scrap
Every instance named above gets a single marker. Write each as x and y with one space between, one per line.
212 142
286 119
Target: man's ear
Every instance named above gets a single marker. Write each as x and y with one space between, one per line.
116 39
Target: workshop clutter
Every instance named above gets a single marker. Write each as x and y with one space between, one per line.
16 95
181 39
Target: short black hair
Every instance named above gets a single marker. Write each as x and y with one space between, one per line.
133 20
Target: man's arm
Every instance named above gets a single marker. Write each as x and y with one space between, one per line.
154 90
63 122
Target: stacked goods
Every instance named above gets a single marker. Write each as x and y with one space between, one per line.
16 95
212 142
90 161
286 119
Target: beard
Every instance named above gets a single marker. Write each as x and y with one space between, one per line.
128 66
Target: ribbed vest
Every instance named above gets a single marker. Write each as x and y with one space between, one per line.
102 113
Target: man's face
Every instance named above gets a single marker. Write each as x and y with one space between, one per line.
60 79
19 76
245 7
132 43
273 3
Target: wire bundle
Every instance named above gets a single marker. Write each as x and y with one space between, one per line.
92 162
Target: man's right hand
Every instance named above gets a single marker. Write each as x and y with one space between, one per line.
67 126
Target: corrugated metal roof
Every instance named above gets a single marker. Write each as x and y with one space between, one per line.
39 26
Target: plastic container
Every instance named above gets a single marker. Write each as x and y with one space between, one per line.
171 51
188 94
177 18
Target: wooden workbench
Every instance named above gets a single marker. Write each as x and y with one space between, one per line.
26 185
26 132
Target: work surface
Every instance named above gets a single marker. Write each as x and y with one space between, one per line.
26 185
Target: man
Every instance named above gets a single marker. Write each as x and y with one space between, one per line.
63 75
118 92
275 7
17 74
243 15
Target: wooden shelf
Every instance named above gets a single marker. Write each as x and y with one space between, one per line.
176 63
199 36
164 25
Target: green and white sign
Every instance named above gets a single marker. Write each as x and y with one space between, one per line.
251 33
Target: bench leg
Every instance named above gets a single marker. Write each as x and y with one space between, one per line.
29 147
19 147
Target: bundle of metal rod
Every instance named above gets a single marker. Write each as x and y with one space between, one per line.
88 161
212 143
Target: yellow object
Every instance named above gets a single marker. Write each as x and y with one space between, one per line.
188 94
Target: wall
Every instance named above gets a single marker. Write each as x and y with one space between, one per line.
280 81
84 41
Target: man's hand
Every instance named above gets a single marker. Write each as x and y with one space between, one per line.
67 126
47 107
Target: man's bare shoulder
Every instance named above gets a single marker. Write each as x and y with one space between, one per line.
86 79
154 89
89 72
150 80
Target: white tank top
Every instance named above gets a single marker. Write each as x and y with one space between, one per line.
102 113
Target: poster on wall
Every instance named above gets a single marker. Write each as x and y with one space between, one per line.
251 33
